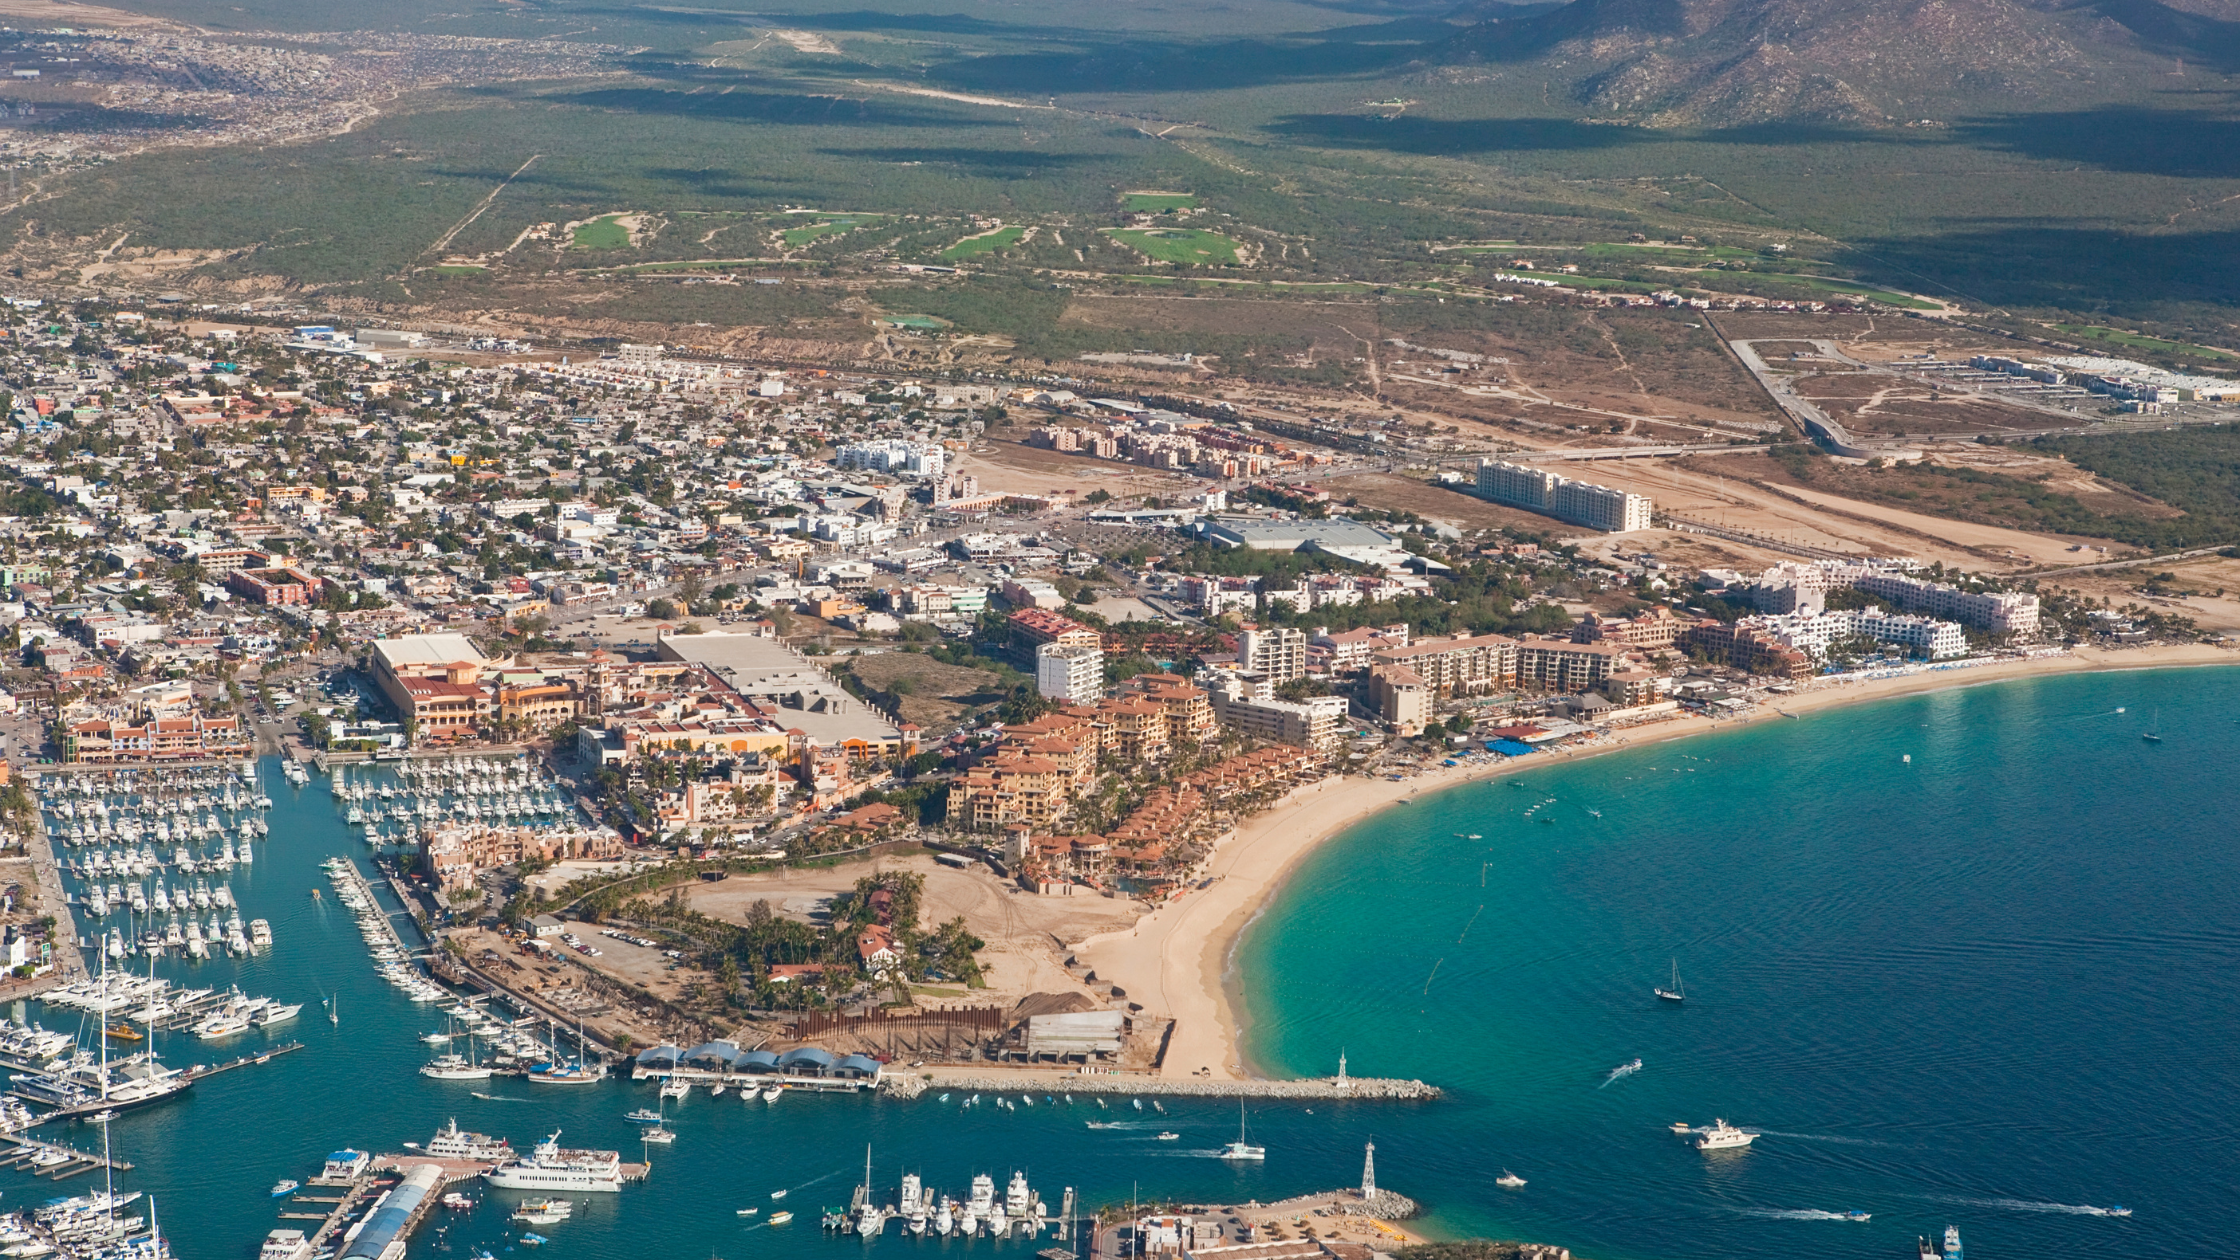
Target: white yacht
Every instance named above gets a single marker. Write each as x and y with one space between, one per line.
1722 1136
549 1167
451 1142
457 1067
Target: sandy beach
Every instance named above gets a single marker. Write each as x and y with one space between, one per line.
1174 961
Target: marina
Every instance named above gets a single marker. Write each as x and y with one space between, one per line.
1614 1145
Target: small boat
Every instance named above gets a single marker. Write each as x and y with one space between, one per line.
534 1240
772 1094
1169 1137
1857 1215
644 1115
1623 1069
122 1032
777 1194
457 1202
1508 1179
1682 1126
1676 993
658 1134
283 1189
749 1211
780 1218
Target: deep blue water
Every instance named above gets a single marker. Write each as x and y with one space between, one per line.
1993 987
2003 972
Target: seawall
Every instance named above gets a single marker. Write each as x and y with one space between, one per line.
908 1084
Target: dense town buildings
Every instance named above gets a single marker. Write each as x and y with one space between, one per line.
693 582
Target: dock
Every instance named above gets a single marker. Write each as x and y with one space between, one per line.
199 1071
352 875
28 1152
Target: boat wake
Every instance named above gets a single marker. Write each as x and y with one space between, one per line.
1823 1137
2027 1205
1799 1214
494 1097
1619 1073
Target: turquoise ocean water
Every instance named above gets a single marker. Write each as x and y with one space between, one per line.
1992 987
1989 987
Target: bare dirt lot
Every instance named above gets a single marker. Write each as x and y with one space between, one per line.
1023 931
1006 464
2206 588
938 695
1719 492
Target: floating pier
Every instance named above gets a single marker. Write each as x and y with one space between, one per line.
28 1151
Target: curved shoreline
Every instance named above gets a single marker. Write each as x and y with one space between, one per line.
1178 961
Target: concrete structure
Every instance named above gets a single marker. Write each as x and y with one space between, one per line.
1920 636
1459 666
1403 698
1576 502
274 587
1069 673
435 682
793 692
1254 534
1280 653
1995 612
1315 723
1559 665
382 1236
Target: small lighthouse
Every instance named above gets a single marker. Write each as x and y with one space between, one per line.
1369 1171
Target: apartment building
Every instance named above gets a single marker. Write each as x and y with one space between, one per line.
1403 699
1317 722
1069 673
1563 666
1458 666
1280 653
1552 494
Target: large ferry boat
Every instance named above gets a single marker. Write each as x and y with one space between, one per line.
549 1167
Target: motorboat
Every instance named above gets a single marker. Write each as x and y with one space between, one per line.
1170 1137
1722 1136
284 1188
1508 1179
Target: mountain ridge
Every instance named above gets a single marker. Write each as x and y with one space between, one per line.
1682 63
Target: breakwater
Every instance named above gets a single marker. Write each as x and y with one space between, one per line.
911 1085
